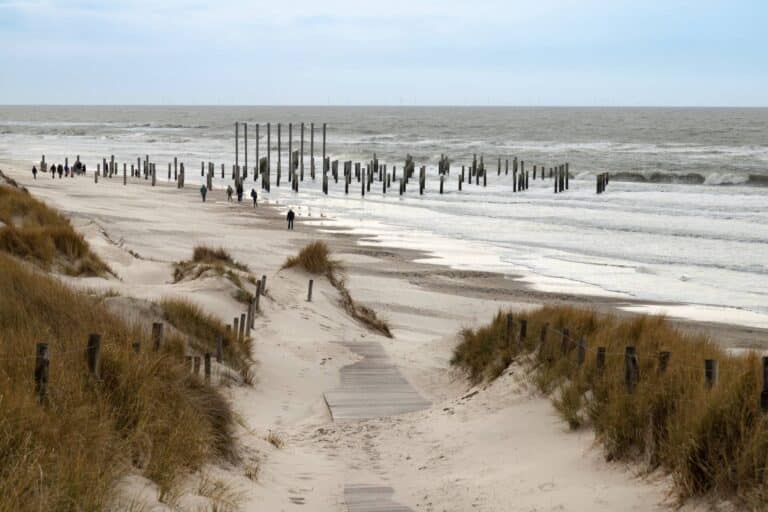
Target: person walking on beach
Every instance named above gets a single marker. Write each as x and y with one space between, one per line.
53 171
203 191
254 196
239 192
66 170
61 170
291 216
34 172
229 193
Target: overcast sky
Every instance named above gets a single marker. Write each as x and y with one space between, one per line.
385 52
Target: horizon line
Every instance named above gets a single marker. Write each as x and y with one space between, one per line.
373 105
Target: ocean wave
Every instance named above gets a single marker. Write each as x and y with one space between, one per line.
693 178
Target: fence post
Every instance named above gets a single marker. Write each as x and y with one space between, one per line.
242 326
509 329
157 335
309 290
42 364
219 348
256 298
543 334
565 342
92 353
207 361
630 369
263 284
663 361
236 328
710 372
582 351
764 392
600 361
523 330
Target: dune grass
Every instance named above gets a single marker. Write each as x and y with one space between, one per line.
145 413
207 260
204 330
713 441
32 231
315 258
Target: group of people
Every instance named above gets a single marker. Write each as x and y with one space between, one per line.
291 216
62 170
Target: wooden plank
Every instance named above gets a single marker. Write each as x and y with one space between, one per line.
371 498
372 387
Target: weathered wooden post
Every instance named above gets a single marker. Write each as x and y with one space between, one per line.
290 153
245 151
219 349
663 363
510 324
93 353
581 352
312 150
279 166
207 366
256 298
125 174
236 328
324 141
565 342
567 175
157 335
600 360
309 290
441 184
42 364
301 154
257 161
242 332
710 372
764 392
543 336
263 284
631 369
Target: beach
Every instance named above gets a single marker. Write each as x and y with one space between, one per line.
498 446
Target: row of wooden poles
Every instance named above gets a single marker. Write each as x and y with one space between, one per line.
631 361
374 170
93 347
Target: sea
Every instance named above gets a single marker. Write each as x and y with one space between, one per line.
682 228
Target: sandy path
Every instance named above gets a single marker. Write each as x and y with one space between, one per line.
502 448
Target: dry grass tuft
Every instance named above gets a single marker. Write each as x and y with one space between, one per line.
32 231
315 258
714 442
275 440
209 261
204 330
205 254
145 413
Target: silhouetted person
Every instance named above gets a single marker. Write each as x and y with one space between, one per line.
229 193
254 196
239 192
203 192
34 172
291 216
61 170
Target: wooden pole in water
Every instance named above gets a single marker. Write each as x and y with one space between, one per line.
312 150
290 152
279 170
237 140
301 161
256 173
324 141
245 151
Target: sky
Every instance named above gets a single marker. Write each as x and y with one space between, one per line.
385 52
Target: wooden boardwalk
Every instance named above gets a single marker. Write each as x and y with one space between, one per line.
372 387
371 498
